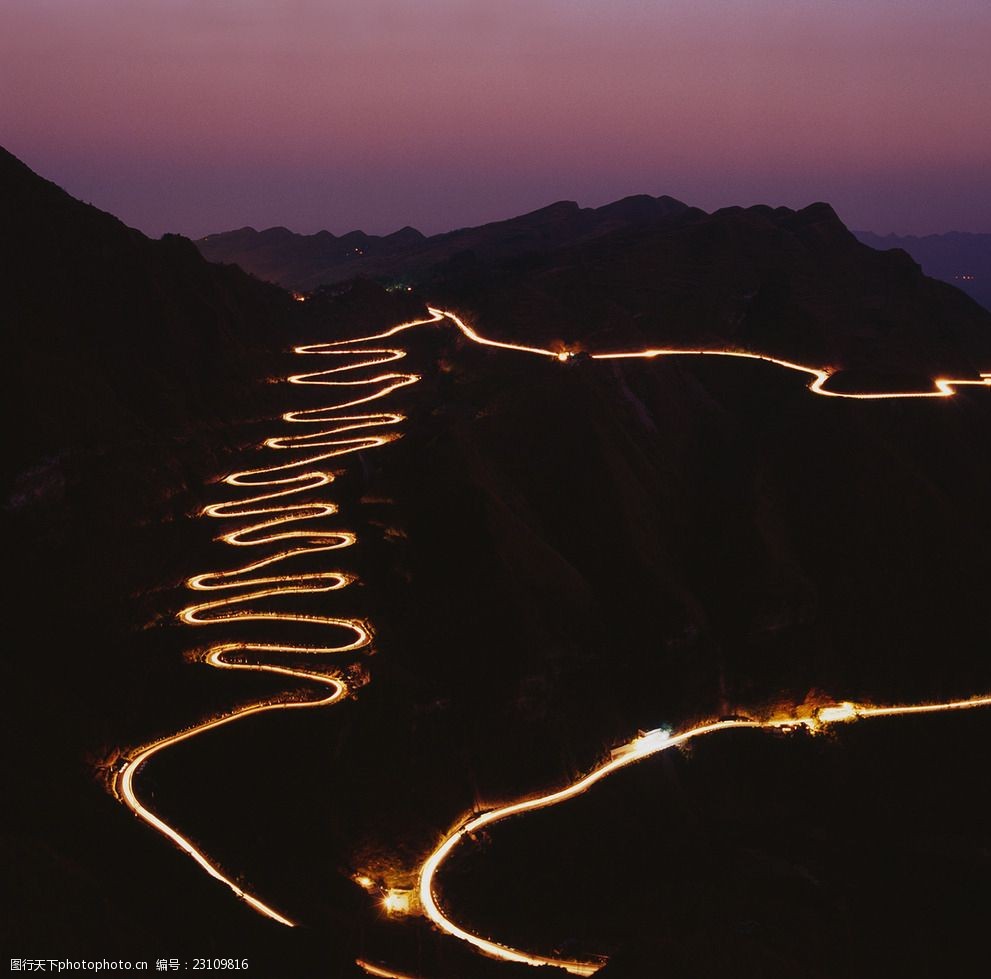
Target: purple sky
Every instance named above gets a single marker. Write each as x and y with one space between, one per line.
204 115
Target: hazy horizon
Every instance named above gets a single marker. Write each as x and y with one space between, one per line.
202 117
386 228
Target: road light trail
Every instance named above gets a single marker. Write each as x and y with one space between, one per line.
944 388
278 517
381 971
279 524
124 778
819 376
656 741
639 748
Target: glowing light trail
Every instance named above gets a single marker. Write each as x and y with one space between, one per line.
379 970
658 740
944 388
124 778
278 483
298 477
634 751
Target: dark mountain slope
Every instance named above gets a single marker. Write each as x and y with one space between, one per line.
648 271
111 332
958 257
307 261
129 361
553 555
580 550
793 283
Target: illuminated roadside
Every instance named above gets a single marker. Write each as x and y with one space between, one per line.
634 751
944 388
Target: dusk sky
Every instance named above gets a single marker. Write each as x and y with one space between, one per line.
199 116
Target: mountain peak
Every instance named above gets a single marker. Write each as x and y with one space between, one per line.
405 234
555 210
641 207
278 232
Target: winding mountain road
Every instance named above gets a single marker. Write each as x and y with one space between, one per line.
634 751
274 515
273 518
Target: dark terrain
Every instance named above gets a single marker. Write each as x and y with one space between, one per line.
959 257
553 556
130 360
756 855
305 262
648 271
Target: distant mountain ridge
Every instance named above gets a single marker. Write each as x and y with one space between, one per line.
301 261
304 262
961 258
795 283
653 271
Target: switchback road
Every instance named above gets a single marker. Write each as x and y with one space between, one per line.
274 514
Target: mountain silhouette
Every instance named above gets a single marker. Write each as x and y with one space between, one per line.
959 257
792 283
306 261
553 556
650 271
113 332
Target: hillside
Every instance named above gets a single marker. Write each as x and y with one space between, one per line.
114 333
961 258
650 271
552 556
304 262
135 369
793 283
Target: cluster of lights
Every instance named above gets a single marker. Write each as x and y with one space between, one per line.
397 901
394 900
